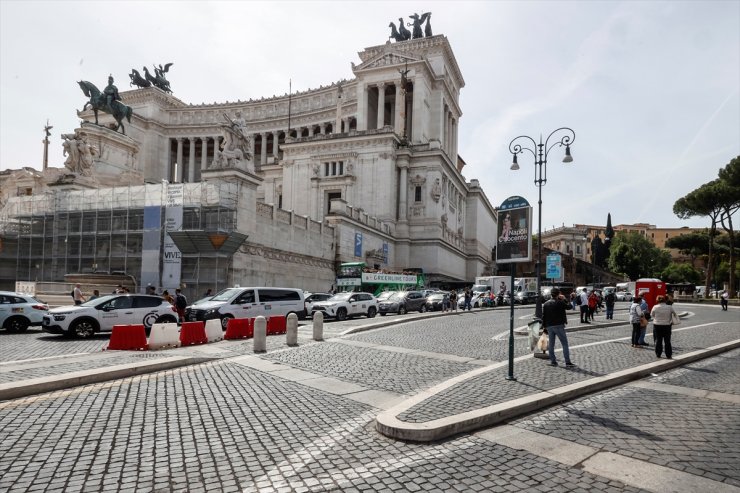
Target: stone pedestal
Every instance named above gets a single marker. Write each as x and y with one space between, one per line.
117 162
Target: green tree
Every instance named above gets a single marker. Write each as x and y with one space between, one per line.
701 202
728 197
635 256
676 273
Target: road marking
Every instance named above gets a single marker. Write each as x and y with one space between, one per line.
676 389
21 361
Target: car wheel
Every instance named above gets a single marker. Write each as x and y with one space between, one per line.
83 329
371 312
16 324
225 321
401 310
423 309
342 314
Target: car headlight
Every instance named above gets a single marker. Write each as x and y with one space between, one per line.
59 317
211 313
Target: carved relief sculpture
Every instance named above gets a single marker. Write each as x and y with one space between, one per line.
436 190
80 154
234 149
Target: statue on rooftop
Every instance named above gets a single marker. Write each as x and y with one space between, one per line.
159 79
138 80
235 147
418 21
403 34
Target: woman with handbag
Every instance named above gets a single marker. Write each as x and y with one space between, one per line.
664 316
636 318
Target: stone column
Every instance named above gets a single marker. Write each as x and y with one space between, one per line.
453 135
403 186
322 128
203 153
361 107
263 154
179 162
398 110
191 160
275 140
381 105
251 147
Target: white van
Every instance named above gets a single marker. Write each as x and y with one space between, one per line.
248 303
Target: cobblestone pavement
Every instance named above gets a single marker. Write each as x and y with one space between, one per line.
225 426
692 434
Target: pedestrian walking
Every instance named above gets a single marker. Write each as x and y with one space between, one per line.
554 320
583 298
724 300
77 295
635 317
663 317
453 300
95 295
643 327
593 301
467 297
180 303
610 299
167 296
573 303
208 293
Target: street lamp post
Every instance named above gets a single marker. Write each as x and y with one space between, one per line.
562 136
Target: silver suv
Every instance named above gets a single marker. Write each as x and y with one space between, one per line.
402 302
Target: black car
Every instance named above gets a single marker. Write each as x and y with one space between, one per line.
435 301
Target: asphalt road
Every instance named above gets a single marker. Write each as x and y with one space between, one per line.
227 426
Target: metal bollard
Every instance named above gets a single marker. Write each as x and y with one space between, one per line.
318 326
291 334
260 335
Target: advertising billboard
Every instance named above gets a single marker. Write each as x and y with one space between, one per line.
514 238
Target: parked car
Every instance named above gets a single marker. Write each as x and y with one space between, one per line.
624 296
385 295
346 305
434 302
311 298
19 311
101 314
403 302
524 297
248 303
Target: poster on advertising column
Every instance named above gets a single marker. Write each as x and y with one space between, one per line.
171 257
514 238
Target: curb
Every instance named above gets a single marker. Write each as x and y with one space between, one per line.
24 388
387 423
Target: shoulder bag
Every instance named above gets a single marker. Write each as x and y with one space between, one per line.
675 320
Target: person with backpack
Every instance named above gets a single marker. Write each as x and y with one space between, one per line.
180 303
610 299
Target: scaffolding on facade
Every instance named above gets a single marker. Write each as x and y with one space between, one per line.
67 231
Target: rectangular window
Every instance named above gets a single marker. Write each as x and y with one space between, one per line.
417 193
326 169
341 167
280 201
333 168
578 249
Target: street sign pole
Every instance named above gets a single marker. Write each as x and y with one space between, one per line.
510 376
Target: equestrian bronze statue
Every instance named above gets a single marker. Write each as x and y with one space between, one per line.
108 101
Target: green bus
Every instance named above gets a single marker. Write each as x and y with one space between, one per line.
352 276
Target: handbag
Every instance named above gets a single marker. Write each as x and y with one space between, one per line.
675 320
643 322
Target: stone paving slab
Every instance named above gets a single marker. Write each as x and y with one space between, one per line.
535 375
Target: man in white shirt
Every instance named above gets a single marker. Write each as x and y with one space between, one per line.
584 306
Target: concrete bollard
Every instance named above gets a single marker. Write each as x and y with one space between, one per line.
260 335
318 326
291 334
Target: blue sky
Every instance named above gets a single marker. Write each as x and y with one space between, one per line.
650 88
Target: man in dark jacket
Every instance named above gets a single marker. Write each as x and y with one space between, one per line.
554 319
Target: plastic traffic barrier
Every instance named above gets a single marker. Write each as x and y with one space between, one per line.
214 332
276 325
164 336
239 328
193 333
128 338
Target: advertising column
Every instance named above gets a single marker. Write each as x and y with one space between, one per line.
171 260
514 244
